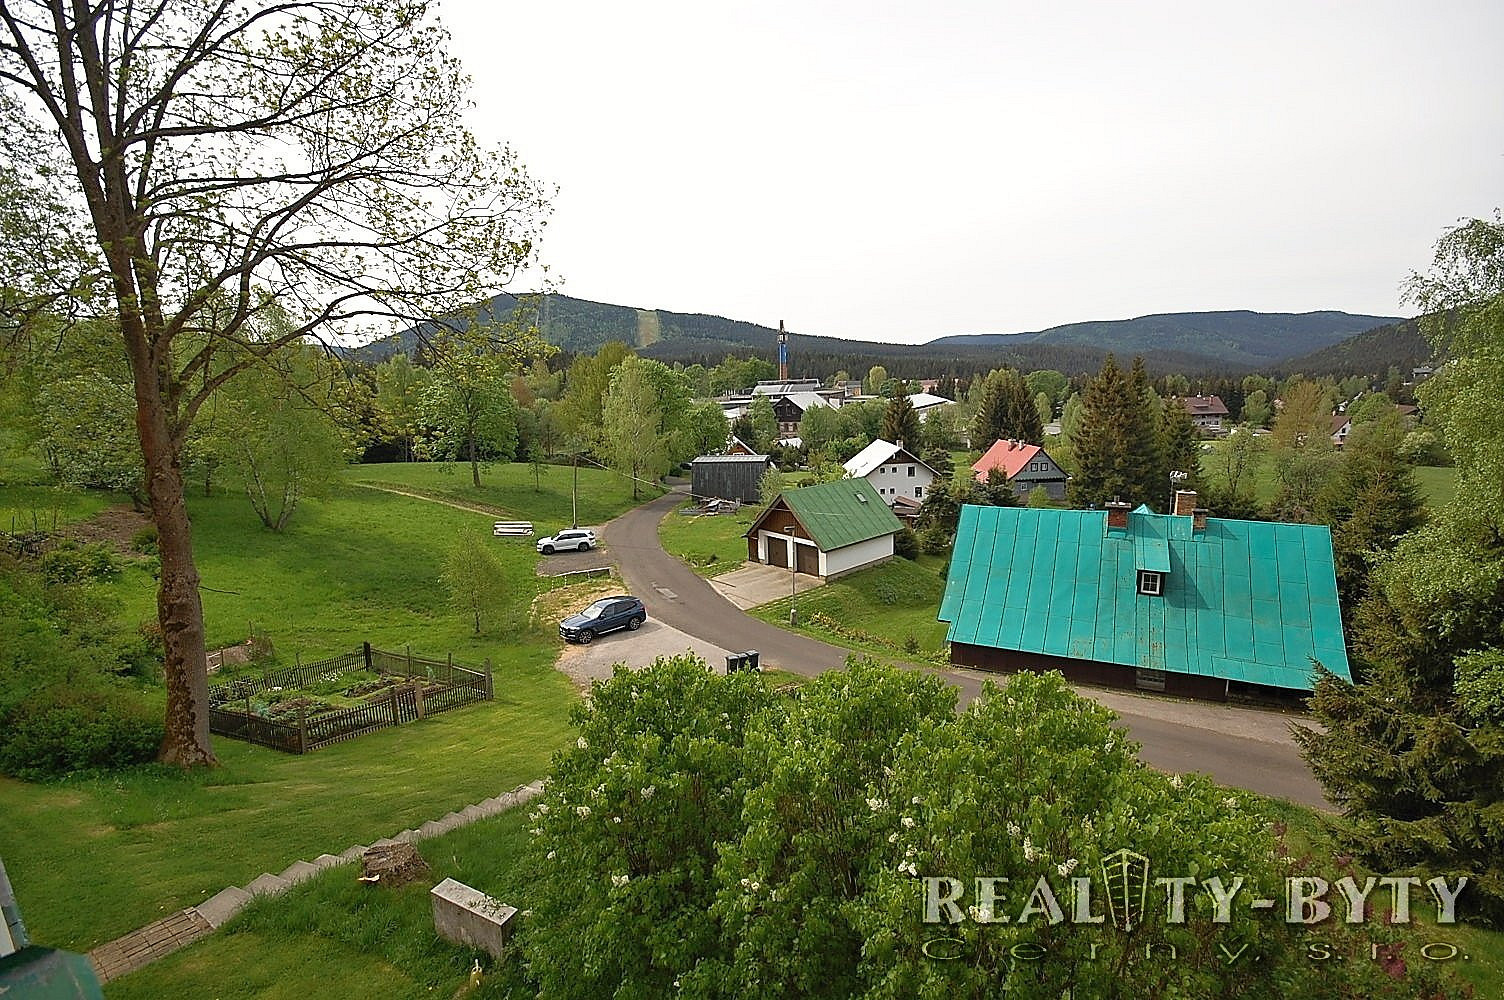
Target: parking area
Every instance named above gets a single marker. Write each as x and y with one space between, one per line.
756 584
584 664
572 562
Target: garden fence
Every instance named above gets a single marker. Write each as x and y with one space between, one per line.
421 687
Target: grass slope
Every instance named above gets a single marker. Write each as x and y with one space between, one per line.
888 610
710 545
359 564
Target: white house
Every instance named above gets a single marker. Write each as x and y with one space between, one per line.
893 471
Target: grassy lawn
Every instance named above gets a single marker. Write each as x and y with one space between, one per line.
711 545
335 937
510 488
1438 483
357 565
23 507
888 610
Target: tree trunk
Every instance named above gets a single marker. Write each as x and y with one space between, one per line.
179 609
474 463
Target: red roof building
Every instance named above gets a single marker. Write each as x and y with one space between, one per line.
1025 466
1206 411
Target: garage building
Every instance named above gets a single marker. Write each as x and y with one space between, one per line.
832 529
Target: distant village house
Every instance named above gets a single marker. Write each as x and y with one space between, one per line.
893 470
828 530
1024 466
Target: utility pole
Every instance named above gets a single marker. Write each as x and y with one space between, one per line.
574 494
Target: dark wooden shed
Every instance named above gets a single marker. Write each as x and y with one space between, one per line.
728 477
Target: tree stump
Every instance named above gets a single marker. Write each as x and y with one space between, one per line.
393 865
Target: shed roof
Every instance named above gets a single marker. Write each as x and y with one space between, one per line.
1248 601
838 513
731 460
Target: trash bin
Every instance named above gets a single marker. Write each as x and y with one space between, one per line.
737 662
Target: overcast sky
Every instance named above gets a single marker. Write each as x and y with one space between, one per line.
900 172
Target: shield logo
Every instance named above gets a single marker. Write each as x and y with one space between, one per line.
1126 875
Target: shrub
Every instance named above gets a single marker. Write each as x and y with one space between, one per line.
145 541
63 729
1422 447
906 544
71 562
935 540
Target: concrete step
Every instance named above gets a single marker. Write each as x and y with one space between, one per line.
328 861
267 884
298 871
471 813
407 837
353 852
223 905
431 829
385 842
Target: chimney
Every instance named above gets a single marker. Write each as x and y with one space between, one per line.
1198 520
783 353
1117 514
1185 502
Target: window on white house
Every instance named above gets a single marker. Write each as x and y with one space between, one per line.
1150 582
918 492
911 470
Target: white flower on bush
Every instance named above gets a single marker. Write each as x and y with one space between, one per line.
908 822
543 808
916 800
647 792
582 743
616 819
617 881
876 804
1031 853
1014 830
908 868
582 811
893 837
1230 802
1066 867
1177 782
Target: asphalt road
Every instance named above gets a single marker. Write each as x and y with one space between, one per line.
1244 748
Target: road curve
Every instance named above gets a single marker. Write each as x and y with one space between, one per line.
1175 736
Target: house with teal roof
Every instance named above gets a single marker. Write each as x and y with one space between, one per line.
1182 603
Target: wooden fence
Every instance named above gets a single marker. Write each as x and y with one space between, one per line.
423 687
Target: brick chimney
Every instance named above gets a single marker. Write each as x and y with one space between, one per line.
1198 520
1185 502
1117 514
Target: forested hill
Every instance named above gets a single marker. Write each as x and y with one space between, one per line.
1188 342
1372 352
1237 337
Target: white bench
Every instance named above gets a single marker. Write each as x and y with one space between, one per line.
512 529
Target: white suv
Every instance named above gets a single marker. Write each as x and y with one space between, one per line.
579 539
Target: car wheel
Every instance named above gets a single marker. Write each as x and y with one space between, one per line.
586 636
584 546
548 550
636 623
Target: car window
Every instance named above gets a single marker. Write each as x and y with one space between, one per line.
594 611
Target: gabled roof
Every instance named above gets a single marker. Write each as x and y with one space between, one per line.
805 400
1247 601
925 400
1010 456
836 514
877 454
1205 406
731 460
1339 421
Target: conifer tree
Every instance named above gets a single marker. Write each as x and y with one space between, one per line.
1116 447
901 423
991 413
1143 455
1413 753
1021 416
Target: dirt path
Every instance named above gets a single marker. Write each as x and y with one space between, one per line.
468 508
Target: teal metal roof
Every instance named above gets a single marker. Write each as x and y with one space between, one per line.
1248 601
840 513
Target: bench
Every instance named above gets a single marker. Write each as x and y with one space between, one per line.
512 529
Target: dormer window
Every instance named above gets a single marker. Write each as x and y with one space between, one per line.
1150 583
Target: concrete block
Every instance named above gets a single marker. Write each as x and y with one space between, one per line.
469 917
223 905
353 852
432 829
405 837
298 871
329 861
266 884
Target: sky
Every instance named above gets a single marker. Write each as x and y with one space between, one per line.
899 172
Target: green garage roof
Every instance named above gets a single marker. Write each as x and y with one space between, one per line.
1248 601
839 513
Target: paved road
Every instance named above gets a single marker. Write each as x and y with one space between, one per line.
1245 748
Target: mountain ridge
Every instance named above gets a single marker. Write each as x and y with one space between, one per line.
1190 341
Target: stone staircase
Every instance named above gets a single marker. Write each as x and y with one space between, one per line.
159 939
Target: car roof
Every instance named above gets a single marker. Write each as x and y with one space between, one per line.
614 597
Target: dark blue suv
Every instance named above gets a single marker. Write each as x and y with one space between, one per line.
606 615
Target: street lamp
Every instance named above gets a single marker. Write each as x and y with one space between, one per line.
793 577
